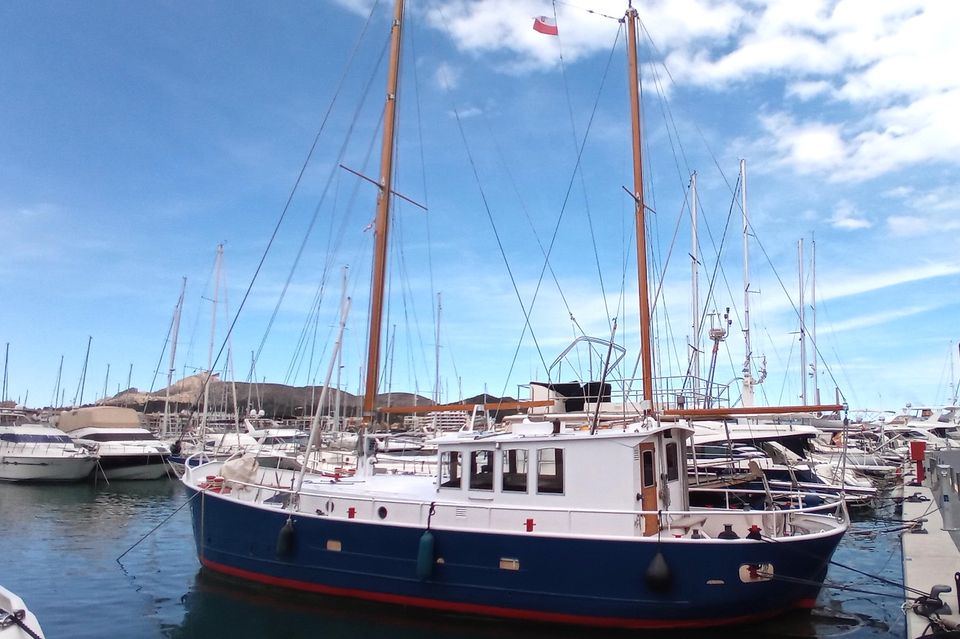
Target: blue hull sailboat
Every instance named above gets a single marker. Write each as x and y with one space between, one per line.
553 521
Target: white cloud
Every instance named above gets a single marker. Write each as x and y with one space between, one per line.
872 281
924 212
808 89
877 319
468 112
806 148
446 76
848 284
847 218
360 7
899 192
908 225
922 131
890 60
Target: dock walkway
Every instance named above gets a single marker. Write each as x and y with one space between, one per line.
931 558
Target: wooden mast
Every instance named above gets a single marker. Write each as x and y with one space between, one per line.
382 222
646 334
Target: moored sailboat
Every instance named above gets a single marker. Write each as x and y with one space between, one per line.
567 521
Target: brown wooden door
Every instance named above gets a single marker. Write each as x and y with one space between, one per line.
648 488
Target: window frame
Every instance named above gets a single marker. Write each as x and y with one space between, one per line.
476 473
673 461
504 465
648 469
445 459
559 471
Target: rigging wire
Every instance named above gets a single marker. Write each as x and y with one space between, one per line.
423 173
578 171
196 324
326 189
286 206
795 309
524 309
526 213
563 208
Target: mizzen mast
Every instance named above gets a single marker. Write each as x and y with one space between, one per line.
382 222
646 351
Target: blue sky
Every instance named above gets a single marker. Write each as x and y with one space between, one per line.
136 137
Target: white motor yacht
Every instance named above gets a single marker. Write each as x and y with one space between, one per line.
127 449
39 452
273 437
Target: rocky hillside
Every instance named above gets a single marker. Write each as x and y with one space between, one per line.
276 400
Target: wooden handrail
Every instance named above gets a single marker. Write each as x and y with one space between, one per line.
439 408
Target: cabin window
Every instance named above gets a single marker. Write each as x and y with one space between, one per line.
31 438
648 469
550 470
673 466
515 464
481 470
450 471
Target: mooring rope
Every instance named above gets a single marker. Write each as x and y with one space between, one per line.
155 528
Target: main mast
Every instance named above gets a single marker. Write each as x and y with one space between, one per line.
695 286
646 351
748 382
382 221
174 333
803 329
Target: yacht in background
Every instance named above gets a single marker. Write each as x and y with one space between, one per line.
38 452
272 436
127 449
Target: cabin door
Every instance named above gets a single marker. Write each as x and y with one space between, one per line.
648 488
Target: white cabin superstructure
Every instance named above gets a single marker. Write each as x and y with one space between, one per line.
542 464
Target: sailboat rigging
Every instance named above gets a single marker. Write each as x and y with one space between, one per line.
554 520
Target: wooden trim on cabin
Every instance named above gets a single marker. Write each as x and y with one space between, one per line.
752 410
439 408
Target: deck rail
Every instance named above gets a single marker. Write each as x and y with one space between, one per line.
794 515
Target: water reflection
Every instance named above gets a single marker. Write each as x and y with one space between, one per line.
221 606
61 544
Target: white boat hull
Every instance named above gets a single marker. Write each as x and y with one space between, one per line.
140 471
33 468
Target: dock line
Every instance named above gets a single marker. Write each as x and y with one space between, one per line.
833 562
155 528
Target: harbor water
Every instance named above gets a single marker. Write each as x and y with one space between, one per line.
61 547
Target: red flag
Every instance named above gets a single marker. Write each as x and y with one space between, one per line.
546 25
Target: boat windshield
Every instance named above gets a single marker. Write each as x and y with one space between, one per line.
119 437
30 438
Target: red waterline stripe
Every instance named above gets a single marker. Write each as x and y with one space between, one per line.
489 611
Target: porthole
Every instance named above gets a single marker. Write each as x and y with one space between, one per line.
382 512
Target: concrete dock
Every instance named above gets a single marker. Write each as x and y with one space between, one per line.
932 557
